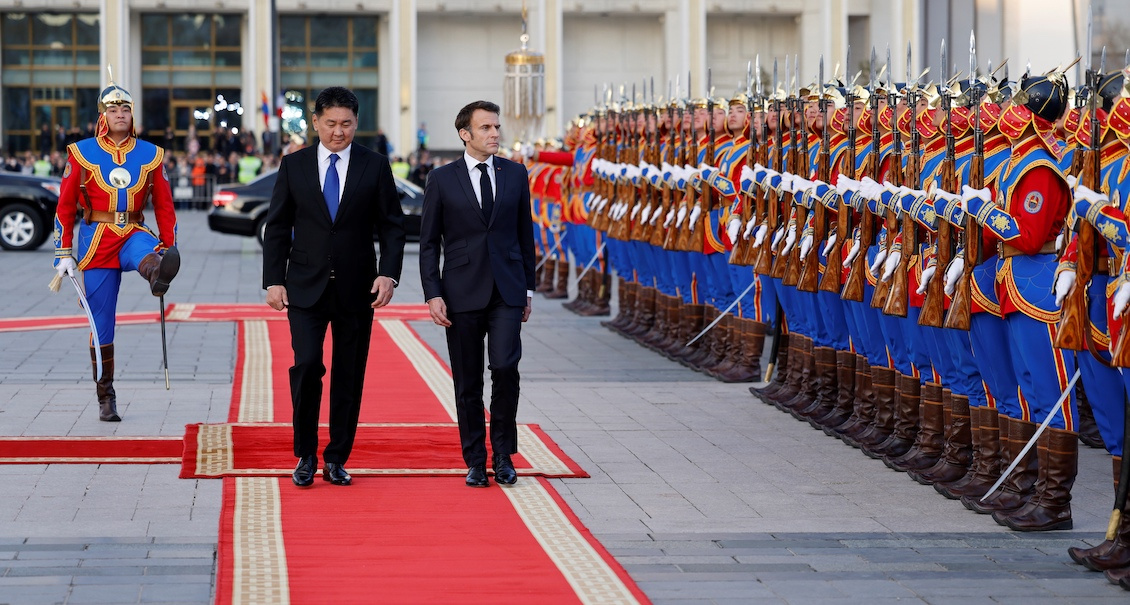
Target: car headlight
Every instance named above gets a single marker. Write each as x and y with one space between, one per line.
51 186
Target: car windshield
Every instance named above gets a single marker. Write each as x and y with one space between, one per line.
410 187
269 174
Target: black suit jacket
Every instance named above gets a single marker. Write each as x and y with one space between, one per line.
303 262
477 254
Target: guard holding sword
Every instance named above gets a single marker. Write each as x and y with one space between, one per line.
107 182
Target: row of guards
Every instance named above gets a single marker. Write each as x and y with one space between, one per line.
938 267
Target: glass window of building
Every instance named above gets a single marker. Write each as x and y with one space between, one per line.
50 79
191 78
328 50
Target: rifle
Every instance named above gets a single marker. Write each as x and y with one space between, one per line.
763 262
780 207
811 268
833 267
934 305
800 166
1074 322
741 251
678 156
659 233
970 237
853 287
883 288
899 297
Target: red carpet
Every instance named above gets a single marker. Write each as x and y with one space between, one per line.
389 538
267 450
60 322
260 311
90 450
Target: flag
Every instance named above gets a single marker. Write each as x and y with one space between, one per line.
265 108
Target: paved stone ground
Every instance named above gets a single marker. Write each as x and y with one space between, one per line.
704 494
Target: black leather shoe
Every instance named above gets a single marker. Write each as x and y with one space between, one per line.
477 476
335 473
504 473
304 472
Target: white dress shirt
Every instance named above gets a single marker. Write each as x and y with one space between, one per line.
342 167
473 172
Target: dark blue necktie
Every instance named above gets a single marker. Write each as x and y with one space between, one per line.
485 190
332 189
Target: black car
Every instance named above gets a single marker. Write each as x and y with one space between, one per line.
242 209
27 210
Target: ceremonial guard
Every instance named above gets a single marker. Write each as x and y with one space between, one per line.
106 185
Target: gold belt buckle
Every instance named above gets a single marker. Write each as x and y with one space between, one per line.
121 217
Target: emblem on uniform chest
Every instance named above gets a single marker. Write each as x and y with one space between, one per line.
1033 202
120 178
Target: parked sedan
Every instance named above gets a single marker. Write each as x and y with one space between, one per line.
242 209
27 210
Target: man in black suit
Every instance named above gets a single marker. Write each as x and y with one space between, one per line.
319 263
477 209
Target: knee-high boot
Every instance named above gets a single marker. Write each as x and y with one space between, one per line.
560 281
1110 554
1049 507
1018 488
863 404
777 380
907 419
987 457
957 453
845 393
104 386
933 416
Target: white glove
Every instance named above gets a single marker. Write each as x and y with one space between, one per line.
603 203
953 273
1063 285
732 229
1082 192
681 216
805 246
655 215
66 267
879 258
852 254
831 244
749 227
867 187
646 214
801 184
776 236
969 193
670 217
786 182
844 184
1059 241
760 237
694 216
927 275
1072 181
790 241
635 210
891 264
1121 297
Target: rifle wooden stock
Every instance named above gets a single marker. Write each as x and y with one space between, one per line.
1120 357
934 306
810 269
961 305
792 259
853 285
1074 322
833 265
898 299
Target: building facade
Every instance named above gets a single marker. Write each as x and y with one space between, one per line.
415 62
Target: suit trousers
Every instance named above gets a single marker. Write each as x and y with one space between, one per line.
351 328
500 325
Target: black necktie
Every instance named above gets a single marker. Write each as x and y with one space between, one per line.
485 190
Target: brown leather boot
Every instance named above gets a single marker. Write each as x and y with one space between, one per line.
160 269
581 301
672 306
907 417
806 383
1020 485
561 281
793 371
1110 554
545 277
693 356
933 416
886 403
1088 428
601 292
1120 577
1050 506
826 390
987 456
719 346
693 320
776 382
957 453
104 386
643 318
863 404
845 393
744 360
648 337
623 305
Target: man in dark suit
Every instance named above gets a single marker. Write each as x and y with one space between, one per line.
319 263
477 209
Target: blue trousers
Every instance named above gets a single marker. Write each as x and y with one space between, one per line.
1042 371
102 284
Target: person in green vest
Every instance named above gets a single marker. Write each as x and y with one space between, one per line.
249 166
400 168
42 166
